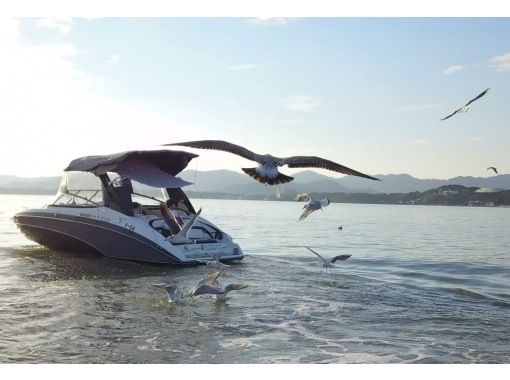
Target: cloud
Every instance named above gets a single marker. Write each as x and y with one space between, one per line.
245 67
63 25
420 141
114 58
298 103
500 63
453 69
272 21
475 139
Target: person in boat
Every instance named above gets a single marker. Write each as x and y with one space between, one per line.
170 216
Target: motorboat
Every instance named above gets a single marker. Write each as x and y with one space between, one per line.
128 205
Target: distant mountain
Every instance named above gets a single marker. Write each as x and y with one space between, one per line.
21 185
227 181
239 184
404 183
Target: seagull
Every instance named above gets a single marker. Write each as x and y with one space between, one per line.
493 168
311 205
219 292
175 295
267 171
211 285
465 107
329 264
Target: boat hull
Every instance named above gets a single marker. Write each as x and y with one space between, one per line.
65 232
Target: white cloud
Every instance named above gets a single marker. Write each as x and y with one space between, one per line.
500 63
420 141
245 67
453 69
272 21
63 25
475 139
298 103
114 58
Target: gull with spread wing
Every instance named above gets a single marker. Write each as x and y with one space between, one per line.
465 107
267 170
329 263
175 295
311 205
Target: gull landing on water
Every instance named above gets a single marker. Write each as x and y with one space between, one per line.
267 170
175 295
211 285
311 205
465 107
329 263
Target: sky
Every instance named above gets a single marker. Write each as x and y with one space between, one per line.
367 93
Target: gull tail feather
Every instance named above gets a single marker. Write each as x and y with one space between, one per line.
280 179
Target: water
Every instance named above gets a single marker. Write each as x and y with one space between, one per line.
423 285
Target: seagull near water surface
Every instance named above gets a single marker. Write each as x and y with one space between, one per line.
311 205
267 171
465 107
329 263
175 295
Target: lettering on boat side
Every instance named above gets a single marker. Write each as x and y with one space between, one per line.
95 217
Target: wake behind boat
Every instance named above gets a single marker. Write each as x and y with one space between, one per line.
130 206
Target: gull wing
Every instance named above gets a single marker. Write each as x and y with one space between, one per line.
303 198
311 250
170 289
321 163
218 145
231 287
206 289
477 97
212 279
340 257
305 213
449 116
493 168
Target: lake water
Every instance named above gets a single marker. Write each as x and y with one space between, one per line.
425 284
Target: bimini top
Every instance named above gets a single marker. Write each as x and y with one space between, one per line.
152 167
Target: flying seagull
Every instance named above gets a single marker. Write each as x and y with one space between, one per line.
493 168
267 170
311 205
465 107
329 264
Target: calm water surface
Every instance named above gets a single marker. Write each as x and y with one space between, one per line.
423 285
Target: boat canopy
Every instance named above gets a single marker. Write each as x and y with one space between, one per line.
155 168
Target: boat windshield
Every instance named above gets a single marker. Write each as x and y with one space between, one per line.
84 189
79 189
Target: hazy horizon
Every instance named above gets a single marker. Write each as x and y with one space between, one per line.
365 92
